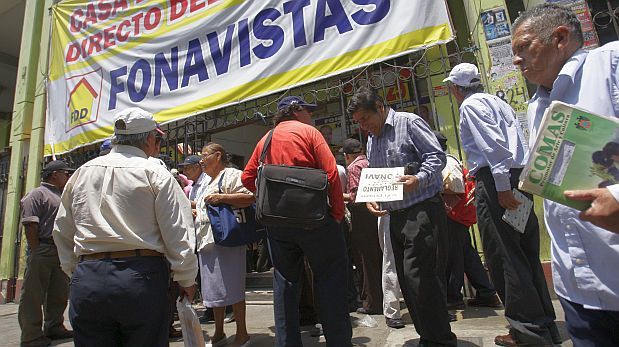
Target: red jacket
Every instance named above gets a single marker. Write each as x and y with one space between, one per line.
298 144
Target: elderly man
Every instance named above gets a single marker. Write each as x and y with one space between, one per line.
399 139
45 284
496 153
122 224
192 169
296 142
547 43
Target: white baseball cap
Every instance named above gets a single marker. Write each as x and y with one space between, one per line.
464 75
134 120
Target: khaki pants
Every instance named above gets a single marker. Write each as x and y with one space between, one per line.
45 285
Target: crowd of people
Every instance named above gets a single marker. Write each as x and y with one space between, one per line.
128 237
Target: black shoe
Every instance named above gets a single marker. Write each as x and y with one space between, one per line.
395 323
452 317
317 331
60 334
456 305
208 317
492 301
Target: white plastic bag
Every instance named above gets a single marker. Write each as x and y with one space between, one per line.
368 321
190 325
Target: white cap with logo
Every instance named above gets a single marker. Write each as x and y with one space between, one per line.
464 75
134 120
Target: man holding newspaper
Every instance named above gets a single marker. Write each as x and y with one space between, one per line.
547 46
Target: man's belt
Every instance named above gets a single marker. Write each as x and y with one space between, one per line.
121 254
47 241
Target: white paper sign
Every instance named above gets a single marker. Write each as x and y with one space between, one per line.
378 184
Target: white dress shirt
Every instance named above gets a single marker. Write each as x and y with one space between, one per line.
122 201
491 136
583 256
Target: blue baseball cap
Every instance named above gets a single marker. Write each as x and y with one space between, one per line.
295 100
105 148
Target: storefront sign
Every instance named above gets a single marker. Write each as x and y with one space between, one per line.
178 58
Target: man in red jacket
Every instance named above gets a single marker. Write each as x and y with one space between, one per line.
296 142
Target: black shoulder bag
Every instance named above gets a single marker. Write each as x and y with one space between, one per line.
290 196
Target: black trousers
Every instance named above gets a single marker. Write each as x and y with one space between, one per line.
120 302
415 233
368 256
514 265
325 250
464 259
590 328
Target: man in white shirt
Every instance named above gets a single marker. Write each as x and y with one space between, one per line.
122 220
192 169
547 43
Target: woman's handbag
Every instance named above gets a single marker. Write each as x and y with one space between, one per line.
232 226
290 196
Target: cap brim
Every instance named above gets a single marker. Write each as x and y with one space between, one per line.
310 106
448 79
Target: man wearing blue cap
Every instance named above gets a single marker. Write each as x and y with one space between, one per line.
123 224
296 142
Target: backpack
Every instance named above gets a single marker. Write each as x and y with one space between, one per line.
464 211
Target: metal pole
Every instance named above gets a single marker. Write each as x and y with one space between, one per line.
20 132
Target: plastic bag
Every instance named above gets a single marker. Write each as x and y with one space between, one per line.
368 321
190 325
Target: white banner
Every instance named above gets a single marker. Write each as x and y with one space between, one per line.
177 58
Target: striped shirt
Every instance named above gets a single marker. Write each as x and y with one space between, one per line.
407 138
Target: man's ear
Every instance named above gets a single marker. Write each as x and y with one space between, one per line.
562 37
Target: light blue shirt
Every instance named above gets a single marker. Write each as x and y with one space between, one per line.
405 138
491 136
584 257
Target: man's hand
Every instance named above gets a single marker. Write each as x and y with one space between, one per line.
213 199
411 182
604 210
189 292
374 209
507 200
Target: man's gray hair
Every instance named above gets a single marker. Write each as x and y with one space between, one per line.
471 89
545 18
135 140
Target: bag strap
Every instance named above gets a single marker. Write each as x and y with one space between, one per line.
221 178
265 146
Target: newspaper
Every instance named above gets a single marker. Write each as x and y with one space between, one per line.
573 150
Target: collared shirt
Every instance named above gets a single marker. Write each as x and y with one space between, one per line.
407 138
122 201
197 188
354 175
40 206
491 136
583 255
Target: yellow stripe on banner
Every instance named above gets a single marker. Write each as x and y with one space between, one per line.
60 26
410 41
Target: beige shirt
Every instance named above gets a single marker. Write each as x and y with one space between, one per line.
122 201
230 184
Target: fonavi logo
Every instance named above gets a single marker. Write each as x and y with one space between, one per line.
83 99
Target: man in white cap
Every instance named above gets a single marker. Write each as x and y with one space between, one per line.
121 220
496 152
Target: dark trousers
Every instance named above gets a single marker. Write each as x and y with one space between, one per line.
464 259
120 302
590 328
368 256
414 238
325 251
514 265
44 294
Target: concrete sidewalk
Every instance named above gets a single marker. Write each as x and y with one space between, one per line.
475 327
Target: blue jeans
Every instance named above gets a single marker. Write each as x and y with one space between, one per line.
325 251
120 302
590 328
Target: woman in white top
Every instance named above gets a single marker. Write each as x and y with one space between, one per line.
222 268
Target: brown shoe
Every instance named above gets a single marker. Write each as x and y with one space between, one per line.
492 301
175 334
506 340
38 342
